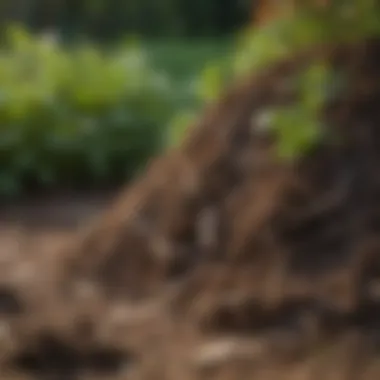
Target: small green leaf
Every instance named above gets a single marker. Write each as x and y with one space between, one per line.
179 125
296 130
211 82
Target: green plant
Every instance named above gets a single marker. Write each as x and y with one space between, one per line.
77 116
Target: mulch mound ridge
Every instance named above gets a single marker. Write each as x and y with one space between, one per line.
223 261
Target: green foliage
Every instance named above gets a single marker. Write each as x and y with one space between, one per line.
109 19
296 131
78 116
199 72
343 21
184 60
179 125
213 79
297 126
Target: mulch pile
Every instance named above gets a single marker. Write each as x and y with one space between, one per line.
223 261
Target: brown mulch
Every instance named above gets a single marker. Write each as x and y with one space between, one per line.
221 261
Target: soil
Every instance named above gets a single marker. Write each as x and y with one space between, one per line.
220 262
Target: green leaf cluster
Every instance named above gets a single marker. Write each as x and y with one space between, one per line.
77 115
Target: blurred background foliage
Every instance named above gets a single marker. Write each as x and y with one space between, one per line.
69 116
110 19
91 89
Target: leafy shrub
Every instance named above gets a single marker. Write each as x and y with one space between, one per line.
76 116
